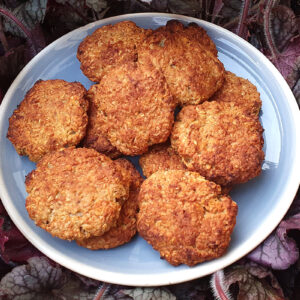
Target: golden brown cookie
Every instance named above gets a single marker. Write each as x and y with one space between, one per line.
185 217
161 157
137 107
108 47
96 136
219 141
192 71
75 193
126 224
53 115
239 91
191 32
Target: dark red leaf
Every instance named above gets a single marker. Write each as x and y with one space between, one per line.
285 61
13 245
283 25
11 64
279 251
254 282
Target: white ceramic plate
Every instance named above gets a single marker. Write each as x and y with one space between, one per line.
262 201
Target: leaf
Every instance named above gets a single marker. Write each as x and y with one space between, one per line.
197 289
36 280
149 294
218 5
96 5
283 25
279 251
159 5
13 245
254 282
296 91
231 8
36 9
12 3
71 14
189 7
88 282
288 279
29 13
293 80
285 61
73 289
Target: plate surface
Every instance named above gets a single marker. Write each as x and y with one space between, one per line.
262 202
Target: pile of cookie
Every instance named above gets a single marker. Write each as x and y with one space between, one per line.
84 190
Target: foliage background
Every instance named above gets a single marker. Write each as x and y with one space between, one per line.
272 271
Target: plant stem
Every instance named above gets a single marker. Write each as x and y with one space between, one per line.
252 11
267 26
3 37
101 292
243 18
6 13
219 287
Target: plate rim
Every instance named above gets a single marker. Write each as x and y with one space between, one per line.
149 279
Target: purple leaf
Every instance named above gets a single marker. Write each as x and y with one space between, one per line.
294 82
285 60
13 245
231 8
12 3
283 25
63 16
278 251
42 279
254 282
296 91
184 7
88 282
159 5
29 14
157 293
96 5
33 280
288 280
197 289
74 289
38 39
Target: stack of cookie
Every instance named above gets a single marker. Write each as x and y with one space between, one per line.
82 190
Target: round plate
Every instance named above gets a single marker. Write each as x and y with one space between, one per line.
262 202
